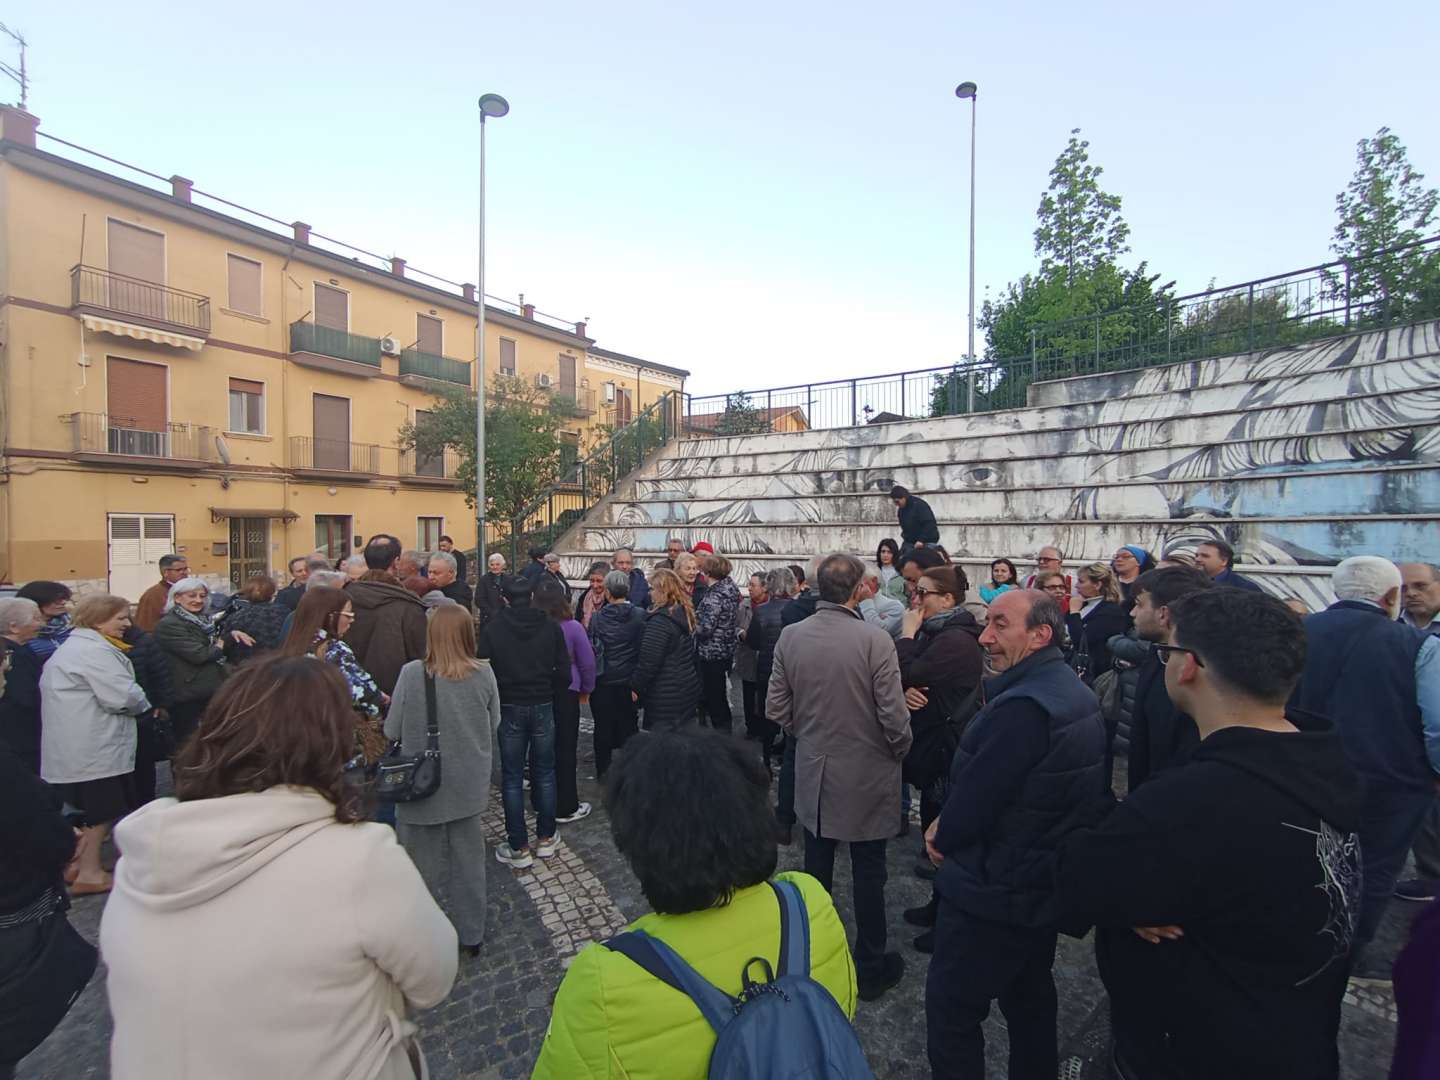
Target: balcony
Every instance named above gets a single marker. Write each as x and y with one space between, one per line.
570 401
333 457
334 350
435 470
129 307
121 440
416 367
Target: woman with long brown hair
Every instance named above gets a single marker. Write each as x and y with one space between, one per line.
259 913
321 621
665 680
443 833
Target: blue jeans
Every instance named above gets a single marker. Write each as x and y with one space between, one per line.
527 728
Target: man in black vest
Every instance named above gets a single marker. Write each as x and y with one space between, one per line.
1379 683
1027 766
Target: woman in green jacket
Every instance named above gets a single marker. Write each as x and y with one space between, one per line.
192 644
690 813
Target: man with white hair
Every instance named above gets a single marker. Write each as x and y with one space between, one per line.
624 561
1378 682
878 609
444 575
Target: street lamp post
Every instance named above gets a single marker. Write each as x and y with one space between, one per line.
496 106
971 91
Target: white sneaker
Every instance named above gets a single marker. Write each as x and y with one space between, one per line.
518 860
546 847
581 811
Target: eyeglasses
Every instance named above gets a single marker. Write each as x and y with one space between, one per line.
1059 589
1164 651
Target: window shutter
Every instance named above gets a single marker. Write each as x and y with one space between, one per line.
567 376
135 394
507 356
246 386
244 284
429 335
332 307
135 252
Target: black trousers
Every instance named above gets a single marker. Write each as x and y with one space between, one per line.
715 693
185 718
976 962
615 715
567 745
867 872
753 714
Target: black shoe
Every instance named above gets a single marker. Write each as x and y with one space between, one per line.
785 834
892 969
1420 890
471 951
924 915
925 943
925 870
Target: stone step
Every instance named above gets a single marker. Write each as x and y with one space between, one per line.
1169 463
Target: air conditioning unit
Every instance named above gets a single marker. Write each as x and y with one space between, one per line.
543 380
609 393
390 346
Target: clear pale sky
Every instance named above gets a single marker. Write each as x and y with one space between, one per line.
760 193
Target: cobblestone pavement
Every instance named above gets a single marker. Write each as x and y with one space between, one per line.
492 1024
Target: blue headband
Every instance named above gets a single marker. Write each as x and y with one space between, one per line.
1140 553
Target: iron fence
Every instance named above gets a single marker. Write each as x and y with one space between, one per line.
432 366
126 436
134 298
1385 288
443 465
324 341
333 455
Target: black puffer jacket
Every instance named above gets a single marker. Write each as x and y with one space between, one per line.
1127 653
764 632
665 676
263 622
152 667
617 628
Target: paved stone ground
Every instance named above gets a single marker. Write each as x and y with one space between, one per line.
492 1024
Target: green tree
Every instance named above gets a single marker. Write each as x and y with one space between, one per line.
741 417
1386 205
1080 224
523 448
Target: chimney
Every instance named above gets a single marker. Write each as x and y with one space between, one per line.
467 293
302 232
580 329
17 125
397 266
180 188
528 310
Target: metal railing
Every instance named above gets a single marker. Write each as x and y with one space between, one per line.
591 478
124 436
1385 288
433 366
444 465
573 401
322 340
134 298
333 455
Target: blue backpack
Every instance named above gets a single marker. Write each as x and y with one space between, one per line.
787 1026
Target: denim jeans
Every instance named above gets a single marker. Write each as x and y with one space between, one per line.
527 728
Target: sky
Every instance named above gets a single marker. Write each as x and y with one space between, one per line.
762 194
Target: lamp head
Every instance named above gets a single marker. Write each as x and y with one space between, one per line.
492 105
966 90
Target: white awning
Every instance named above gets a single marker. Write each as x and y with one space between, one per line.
144 333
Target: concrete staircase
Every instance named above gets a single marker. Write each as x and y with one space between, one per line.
1299 457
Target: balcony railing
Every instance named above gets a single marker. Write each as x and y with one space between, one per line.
572 401
440 466
142 301
431 366
124 436
306 337
333 455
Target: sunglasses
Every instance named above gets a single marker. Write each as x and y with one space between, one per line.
1164 651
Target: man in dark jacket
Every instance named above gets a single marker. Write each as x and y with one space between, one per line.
1217 559
1028 766
532 570
289 596
624 561
1160 737
917 520
615 632
443 575
1238 872
803 604
1378 682
526 650
447 545
389 627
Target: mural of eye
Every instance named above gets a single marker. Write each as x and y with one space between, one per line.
978 477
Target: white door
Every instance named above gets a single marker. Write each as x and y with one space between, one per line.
136 543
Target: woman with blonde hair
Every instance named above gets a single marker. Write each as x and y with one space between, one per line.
452 691
665 680
89 701
1101 617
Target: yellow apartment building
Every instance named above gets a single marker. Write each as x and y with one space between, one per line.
177 378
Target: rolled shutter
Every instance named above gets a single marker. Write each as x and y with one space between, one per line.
244 284
429 335
332 307
135 252
135 394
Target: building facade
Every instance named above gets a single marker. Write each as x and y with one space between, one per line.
173 378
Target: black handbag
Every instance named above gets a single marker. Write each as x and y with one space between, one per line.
399 778
47 965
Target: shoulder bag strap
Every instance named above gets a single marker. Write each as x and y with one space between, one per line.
432 715
794 929
665 964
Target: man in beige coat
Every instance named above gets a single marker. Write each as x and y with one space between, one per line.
835 688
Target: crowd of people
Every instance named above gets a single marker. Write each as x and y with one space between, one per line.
1151 747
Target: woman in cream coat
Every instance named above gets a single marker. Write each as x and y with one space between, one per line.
259 926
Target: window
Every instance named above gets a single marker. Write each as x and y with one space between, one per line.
428 531
135 252
430 335
332 307
247 407
332 535
507 356
244 285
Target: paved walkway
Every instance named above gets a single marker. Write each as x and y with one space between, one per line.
492 1024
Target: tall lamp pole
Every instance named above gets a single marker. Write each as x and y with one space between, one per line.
972 92
496 106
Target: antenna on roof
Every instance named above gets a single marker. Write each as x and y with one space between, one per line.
18 74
